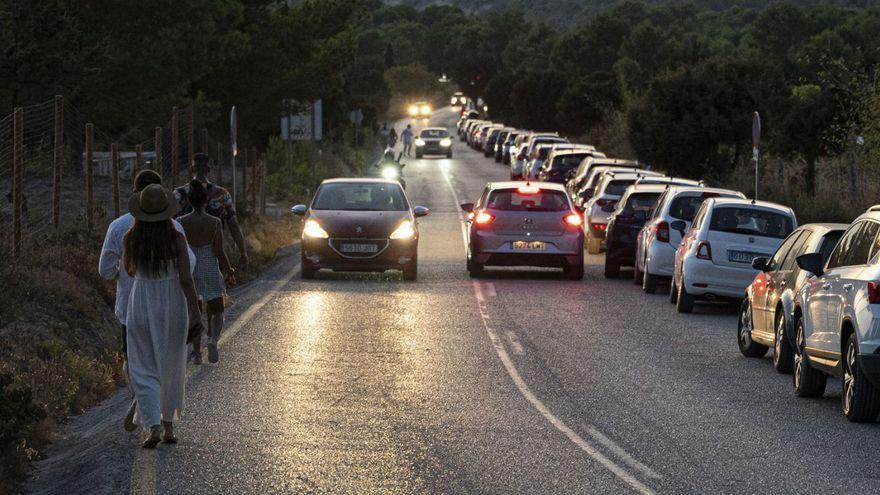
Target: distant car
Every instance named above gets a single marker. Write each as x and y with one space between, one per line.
360 225
562 162
491 138
765 317
509 147
598 209
420 110
837 316
575 185
519 224
657 241
526 152
433 141
714 260
593 179
626 222
458 99
499 142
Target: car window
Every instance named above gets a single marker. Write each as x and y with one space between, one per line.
829 241
838 256
434 134
859 251
778 257
698 218
798 249
751 221
785 256
640 202
518 200
363 196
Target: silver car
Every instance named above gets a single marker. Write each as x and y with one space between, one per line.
525 224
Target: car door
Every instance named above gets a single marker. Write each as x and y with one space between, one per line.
851 282
769 281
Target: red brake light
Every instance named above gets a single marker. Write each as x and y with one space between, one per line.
528 190
704 251
599 226
874 292
661 231
483 218
574 220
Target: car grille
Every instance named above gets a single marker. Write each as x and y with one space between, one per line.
341 245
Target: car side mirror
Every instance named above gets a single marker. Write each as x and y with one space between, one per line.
811 262
679 225
299 210
760 263
468 207
420 211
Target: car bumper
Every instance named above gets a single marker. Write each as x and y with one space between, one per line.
704 278
433 149
870 363
497 250
325 253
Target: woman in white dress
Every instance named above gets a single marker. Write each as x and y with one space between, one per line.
161 308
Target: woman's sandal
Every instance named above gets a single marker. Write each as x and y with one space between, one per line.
154 438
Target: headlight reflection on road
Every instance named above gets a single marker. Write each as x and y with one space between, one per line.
310 315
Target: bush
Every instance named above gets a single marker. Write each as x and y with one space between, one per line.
18 417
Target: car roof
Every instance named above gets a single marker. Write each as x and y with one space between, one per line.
618 162
515 184
356 180
824 227
645 188
674 190
434 129
750 203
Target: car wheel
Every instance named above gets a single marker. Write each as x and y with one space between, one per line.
612 268
684 302
783 354
637 274
861 400
808 381
649 283
747 346
411 271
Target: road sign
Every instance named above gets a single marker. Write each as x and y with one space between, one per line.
756 130
233 130
304 124
356 116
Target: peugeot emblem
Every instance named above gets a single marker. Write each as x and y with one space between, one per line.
359 229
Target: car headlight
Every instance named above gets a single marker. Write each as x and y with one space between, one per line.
446 142
425 109
413 110
390 173
420 142
404 231
313 229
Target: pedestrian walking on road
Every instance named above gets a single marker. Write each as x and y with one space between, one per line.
110 266
204 233
392 138
407 137
161 308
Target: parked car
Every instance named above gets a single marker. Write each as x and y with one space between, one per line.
765 317
657 241
433 141
561 163
518 224
598 209
528 152
714 260
576 183
491 139
626 222
836 317
360 225
498 151
483 136
507 145
586 192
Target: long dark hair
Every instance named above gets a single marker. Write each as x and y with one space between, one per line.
148 246
198 195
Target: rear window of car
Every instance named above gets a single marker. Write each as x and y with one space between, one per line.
618 187
751 221
685 207
513 200
640 202
434 134
565 163
353 196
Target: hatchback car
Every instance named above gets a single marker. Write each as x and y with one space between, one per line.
360 225
714 260
585 169
837 316
657 242
765 314
562 163
519 224
598 209
626 222
433 141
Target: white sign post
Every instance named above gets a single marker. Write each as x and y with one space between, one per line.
233 136
756 141
304 124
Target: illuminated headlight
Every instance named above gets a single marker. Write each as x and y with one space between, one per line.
389 173
313 229
446 142
420 142
404 231
425 109
413 110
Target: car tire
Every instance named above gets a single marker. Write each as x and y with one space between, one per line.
612 268
807 381
411 271
649 283
860 398
684 302
783 353
747 346
637 275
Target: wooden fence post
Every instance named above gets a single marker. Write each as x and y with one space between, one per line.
138 162
263 188
254 177
191 139
219 164
57 160
157 163
175 138
244 165
90 176
114 176
17 182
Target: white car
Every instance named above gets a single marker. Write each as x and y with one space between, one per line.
714 259
600 207
576 184
657 242
836 320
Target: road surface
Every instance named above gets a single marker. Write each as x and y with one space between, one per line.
520 382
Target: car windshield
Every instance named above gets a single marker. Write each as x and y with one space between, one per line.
685 207
434 134
513 200
360 196
751 221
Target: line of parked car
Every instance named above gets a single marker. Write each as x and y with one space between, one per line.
810 292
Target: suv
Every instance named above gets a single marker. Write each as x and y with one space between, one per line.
627 220
657 242
836 317
765 314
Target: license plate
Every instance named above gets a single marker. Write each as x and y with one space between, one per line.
741 256
528 245
359 248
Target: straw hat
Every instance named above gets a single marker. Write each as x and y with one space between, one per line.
153 204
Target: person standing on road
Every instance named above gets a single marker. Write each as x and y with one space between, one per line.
407 137
219 204
162 306
392 138
110 266
205 236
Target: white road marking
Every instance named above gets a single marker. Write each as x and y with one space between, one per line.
557 423
514 343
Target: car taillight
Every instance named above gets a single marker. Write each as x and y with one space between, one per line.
661 231
704 251
527 190
599 226
483 218
874 292
574 220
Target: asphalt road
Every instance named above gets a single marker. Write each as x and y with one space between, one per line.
520 382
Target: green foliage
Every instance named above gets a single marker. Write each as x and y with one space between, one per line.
18 417
411 81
